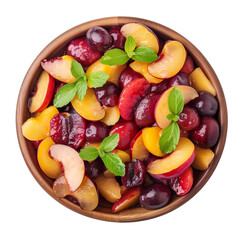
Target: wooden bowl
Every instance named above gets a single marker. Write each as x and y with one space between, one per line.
56 48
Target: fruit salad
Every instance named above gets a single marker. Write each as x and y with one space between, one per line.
124 116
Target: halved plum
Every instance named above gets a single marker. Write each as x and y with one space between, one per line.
131 95
144 114
126 130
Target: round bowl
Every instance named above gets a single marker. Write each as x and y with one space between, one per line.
103 212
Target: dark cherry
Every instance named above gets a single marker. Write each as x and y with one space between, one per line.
179 79
127 131
96 132
155 196
118 38
144 113
82 52
127 76
206 104
160 87
135 174
99 39
207 133
108 94
110 101
188 118
95 168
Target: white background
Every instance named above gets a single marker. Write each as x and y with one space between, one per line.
26 211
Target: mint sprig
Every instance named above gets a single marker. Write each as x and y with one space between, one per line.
67 92
120 57
171 134
111 160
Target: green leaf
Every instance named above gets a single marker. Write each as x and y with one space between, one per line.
175 101
97 79
172 117
130 45
101 153
77 69
114 164
114 57
170 137
88 153
65 94
144 54
81 88
109 143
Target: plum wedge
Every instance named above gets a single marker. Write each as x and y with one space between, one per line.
170 62
131 95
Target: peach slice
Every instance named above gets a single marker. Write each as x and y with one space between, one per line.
60 68
49 166
137 148
203 158
114 71
72 164
174 164
38 128
86 194
142 68
109 188
200 82
161 108
142 35
129 199
43 94
89 108
151 137
112 115
170 62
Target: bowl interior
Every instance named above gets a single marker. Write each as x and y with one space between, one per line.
103 211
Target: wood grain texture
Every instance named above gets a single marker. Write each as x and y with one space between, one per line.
103 212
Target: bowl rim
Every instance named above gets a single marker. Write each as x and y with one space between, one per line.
129 214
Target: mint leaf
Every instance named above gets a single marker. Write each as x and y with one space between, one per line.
77 69
88 153
101 153
65 95
114 164
97 79
114 57
170 137
144 54
109 143
129 46
175 101
172 117
81 88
